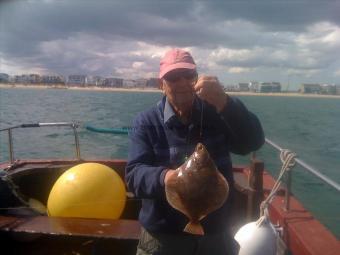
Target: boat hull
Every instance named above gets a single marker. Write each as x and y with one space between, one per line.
23 232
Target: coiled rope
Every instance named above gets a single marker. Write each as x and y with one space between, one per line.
13 187
31 203
287 158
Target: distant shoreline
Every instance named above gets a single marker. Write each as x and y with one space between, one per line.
155 90
282 94
22 86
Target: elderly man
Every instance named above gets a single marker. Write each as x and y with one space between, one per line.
194 109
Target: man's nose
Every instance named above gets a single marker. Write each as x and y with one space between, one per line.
182 82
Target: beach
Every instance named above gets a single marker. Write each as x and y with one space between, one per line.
24 86
155 90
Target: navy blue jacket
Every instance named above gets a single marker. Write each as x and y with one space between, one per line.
159 141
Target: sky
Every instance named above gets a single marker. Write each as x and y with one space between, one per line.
291 42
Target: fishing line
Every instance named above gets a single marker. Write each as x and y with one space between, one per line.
201 124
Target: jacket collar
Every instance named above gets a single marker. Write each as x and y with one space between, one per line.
170 118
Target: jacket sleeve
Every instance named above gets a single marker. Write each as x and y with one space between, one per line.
143 177
244 128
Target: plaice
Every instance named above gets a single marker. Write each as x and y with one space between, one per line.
197 189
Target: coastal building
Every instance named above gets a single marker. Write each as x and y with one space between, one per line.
129 83
254 86
21 79
269 87
276 87
17 79
4 78
76 80
141 83
52 79
243 87
337 89
135 83
34 78
113 82
230 88
95 81
328 89
27 79
152 83
265 87
310 88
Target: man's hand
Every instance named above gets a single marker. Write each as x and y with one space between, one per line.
168 174
209 89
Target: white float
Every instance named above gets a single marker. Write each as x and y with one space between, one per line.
257 238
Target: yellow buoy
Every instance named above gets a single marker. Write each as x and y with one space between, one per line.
88 190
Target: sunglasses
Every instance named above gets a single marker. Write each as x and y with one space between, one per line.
176 76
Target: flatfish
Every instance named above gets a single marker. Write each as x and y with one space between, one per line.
196 189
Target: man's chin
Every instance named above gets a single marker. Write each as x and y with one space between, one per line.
184 108
183 103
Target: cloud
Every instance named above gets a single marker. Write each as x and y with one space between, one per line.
276 15
234 40
20 66
100 56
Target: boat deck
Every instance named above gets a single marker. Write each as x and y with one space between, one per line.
302 233
111 229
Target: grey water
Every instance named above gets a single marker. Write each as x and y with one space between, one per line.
306 125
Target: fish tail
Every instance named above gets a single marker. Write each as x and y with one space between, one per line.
194 228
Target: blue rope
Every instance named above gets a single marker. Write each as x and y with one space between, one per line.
119 131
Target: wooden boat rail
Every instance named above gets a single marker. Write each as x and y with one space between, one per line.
121 229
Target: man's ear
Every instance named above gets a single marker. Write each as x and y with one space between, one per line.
160 84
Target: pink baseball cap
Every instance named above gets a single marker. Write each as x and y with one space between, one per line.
174 59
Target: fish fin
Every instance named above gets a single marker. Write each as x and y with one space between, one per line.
37 206
194 228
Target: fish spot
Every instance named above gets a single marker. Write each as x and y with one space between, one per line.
189 163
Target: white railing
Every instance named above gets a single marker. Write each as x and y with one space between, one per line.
34 125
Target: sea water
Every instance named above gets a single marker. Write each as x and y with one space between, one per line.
308 126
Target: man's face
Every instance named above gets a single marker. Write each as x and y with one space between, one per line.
178 86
